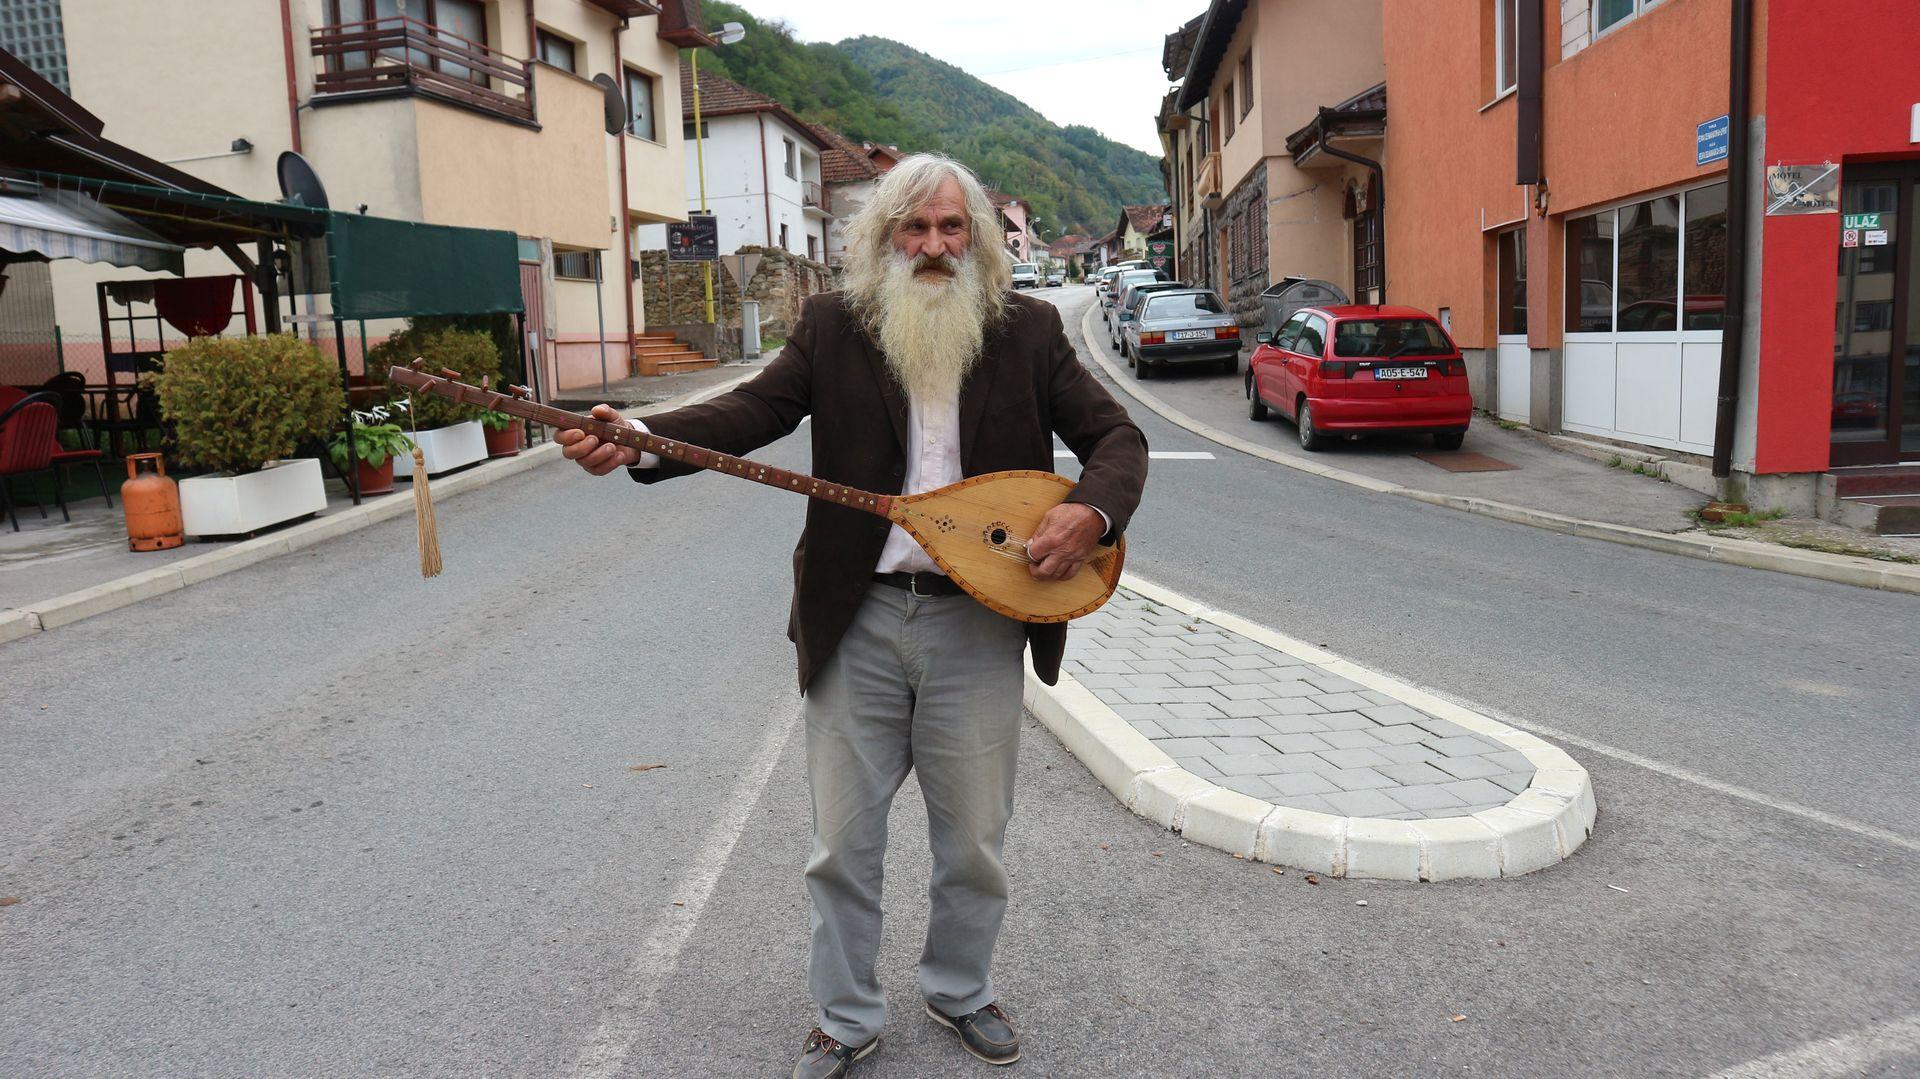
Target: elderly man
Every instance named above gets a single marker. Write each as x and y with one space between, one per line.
924 370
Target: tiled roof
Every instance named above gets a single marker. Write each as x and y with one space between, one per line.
843 161
1144 219
724 97
1066 246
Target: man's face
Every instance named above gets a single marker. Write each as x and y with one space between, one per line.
938 227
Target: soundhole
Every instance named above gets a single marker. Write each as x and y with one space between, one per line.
998 536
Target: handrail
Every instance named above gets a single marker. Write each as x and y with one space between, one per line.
401 51
812 193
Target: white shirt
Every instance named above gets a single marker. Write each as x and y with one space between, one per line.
933 438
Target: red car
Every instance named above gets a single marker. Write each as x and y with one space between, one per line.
1361 370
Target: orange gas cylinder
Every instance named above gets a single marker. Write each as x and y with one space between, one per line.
152 503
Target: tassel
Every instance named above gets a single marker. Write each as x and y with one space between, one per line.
427 530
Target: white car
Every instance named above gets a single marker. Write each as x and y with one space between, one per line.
1026 275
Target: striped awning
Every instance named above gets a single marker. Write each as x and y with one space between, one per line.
65 224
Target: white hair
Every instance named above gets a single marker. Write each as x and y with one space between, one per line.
898 196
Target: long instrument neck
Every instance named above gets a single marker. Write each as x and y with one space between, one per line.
697 456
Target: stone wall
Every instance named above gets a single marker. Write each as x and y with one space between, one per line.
676 296
1245 217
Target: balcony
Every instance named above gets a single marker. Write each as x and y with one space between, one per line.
402 55
1206 184
815 197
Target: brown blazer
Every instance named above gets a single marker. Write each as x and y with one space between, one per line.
1028 386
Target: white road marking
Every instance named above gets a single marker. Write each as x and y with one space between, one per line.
1155 455
1847 1054
649 969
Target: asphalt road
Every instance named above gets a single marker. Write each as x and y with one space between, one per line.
320 817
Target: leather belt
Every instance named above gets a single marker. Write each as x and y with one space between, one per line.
924 585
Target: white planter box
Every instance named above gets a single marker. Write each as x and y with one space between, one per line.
229 505
445 448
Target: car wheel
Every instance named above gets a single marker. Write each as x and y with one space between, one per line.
1256 408
1230 365
1449 440
1143 370
1130 357
1311 440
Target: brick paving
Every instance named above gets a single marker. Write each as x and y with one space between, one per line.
1275 727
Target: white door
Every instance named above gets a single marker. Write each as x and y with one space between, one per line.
1513 379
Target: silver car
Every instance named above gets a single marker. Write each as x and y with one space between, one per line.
1128 305
1177 327
1118 285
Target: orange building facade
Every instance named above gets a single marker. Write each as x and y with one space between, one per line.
1593 300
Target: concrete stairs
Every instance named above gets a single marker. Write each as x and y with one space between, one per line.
1882 499
663 354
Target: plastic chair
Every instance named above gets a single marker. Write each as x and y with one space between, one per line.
26 448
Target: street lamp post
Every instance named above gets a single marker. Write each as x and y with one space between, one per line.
729 33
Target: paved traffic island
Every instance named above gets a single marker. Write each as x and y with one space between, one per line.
1244 739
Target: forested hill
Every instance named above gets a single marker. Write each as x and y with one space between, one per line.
875 89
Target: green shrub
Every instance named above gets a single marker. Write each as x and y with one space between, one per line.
470 352
238 402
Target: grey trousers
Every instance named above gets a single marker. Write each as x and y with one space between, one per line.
932 685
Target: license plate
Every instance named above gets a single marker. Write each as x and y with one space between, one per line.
1382 374
1192 335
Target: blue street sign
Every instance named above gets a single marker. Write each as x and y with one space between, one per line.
1710 141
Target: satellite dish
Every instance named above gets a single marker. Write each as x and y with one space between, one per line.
616 104
299 184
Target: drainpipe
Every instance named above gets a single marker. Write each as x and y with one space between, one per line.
1733 321
1379 183
766 178
293 86
533 34
626 210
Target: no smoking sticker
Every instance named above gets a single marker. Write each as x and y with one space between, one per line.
1849 237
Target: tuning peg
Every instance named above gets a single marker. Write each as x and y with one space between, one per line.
448 372
484 379
521 392
419 363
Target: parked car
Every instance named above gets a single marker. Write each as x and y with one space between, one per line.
1026 275
1129 304
1178 326
1357 369
1055 280
1118 285
1103 279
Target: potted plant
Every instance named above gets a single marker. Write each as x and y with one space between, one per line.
448 433
502 431
377 442
239 406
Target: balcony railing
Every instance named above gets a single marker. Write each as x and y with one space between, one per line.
1206 185
812 194
403 54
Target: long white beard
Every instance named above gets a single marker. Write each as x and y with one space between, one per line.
931 327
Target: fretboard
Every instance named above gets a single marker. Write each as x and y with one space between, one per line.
625 435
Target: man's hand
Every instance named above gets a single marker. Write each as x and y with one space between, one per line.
1066 536
592 454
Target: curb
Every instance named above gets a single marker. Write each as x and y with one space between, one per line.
1539 827
19 622
1840 569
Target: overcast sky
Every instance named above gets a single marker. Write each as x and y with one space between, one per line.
1092 62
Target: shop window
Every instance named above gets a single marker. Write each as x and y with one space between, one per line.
557 52
1506 35
1648 278
640 105
1590 274
1704 300
1246 84
1512 258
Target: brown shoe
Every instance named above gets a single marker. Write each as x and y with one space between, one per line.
987 1033
823 1058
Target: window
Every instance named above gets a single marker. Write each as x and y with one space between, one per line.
1512 258
1608 14
557 51
1289 335
1246 84
1506 37
686 130
640 105
783 236
1227 110
573 265
1184 305
1387 337
1656 266
1313 336
792 173
813 247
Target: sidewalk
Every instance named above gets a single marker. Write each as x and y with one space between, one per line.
1544 483
50 560
1268 748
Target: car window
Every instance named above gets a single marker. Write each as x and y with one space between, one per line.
1313 336
1289 334
1183 305
1390 337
